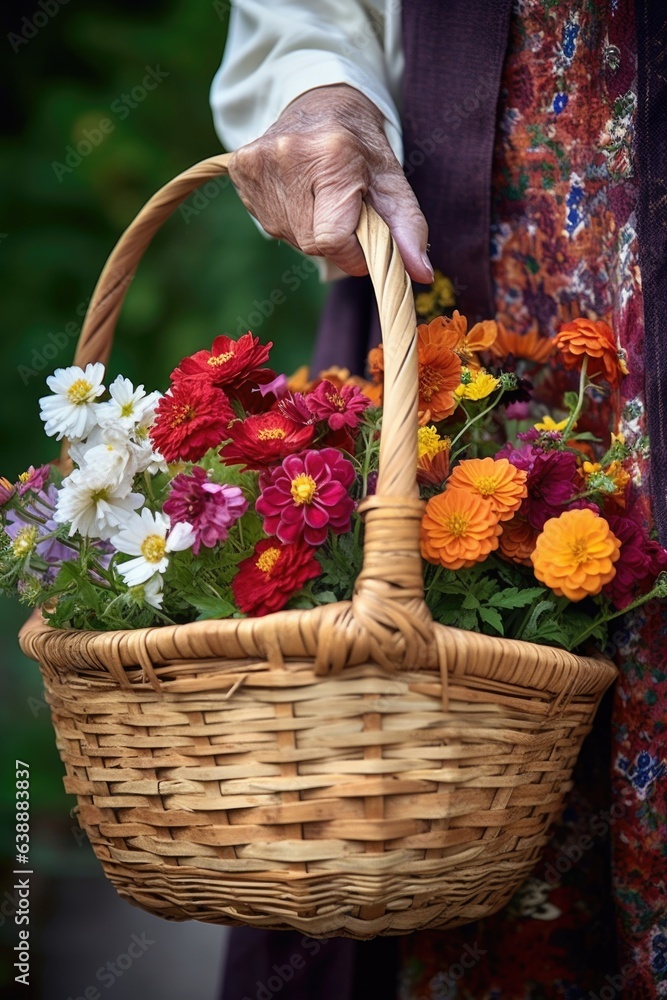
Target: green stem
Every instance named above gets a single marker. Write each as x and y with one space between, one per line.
469 423
574 416
656 592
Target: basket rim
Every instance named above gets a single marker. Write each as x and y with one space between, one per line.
294 634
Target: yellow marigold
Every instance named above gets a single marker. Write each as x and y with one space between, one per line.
429 442
433 456
440 296
517 540
549 424
612 480
478 385
458 529
499 481
575 554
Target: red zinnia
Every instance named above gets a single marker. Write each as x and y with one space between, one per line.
273 573
229 363
191 418
264 439
307 495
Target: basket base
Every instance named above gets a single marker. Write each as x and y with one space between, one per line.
182 893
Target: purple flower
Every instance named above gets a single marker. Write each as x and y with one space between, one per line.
33 480
518 411
42 506
551 484
521 458
210 508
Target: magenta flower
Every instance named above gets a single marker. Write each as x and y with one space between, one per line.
339 407
640 562
306 496
551 484
33 479
521 458
209 507
293 406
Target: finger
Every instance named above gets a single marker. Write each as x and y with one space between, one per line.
393 198
335 219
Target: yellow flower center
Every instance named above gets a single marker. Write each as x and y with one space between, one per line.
220 359
429 442
268 560
127 409
153 548
79 391
24 477
271 434
183 413
100 495
303 489
457 525
24 542
487 485
579 550
336 400
430 381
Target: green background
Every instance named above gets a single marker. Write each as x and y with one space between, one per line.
203 275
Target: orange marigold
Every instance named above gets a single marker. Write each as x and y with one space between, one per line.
575 554
454 333
596 340
517 540
458 529
529 346
439 374
499 481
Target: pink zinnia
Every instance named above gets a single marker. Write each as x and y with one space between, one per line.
306 496
340 407
210 508
33 480
293 405
640 562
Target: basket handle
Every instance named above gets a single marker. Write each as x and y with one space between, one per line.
389 598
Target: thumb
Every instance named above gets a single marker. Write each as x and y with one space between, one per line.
392 197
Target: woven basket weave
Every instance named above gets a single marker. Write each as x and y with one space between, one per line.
355 769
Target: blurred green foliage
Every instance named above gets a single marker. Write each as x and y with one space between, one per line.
209 271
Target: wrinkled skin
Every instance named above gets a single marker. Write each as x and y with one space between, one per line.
305 178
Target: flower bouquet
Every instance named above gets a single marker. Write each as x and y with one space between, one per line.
277 618
236 492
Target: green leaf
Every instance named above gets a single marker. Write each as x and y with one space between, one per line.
210 607
492 617
515 598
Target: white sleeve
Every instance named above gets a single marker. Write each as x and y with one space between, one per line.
278 50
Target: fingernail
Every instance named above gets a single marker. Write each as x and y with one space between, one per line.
427 263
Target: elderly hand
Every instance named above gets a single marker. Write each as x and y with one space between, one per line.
305 178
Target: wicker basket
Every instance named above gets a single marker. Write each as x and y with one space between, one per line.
351 770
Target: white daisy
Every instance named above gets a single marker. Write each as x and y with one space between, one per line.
107 447
128 406
149 592
95 502
70 412
145 536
